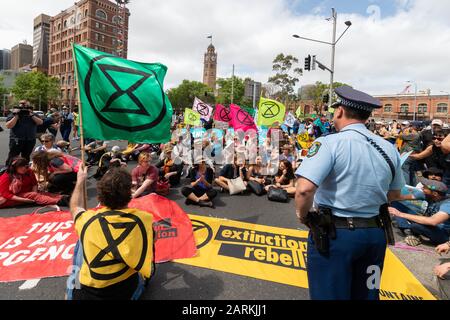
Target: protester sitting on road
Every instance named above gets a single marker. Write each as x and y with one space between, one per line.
145 176
109 160
435 224
128 152
65 146
435 156
285 177
18 186
256 177
200 191
48 144
94 151
168 169
58 170
131 253
287 154
231 171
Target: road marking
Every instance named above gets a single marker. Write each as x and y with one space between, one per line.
29 284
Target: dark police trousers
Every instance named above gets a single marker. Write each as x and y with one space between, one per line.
343 273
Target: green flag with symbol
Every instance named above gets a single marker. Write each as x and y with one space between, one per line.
191 117
270 111
122 99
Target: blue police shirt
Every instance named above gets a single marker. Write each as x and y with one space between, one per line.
353 178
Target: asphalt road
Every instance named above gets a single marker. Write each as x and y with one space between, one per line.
176 281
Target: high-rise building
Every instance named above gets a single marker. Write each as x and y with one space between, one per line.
98 24
5 59
21 56
41 35
210 67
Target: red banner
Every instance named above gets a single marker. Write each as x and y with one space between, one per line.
172 226
36 246
241 119
41 245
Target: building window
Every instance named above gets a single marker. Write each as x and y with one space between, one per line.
101 14
404 108
59 26
442 108
117 20
103 38
86 13
97 25
422 108
96 37
388 108
65 24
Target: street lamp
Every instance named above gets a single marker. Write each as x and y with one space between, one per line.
333 48
448 103
415 98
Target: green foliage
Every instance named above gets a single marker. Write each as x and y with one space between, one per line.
286 77
183 96
3 90
224 96
36 87
317 92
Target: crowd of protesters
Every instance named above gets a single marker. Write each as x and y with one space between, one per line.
215 162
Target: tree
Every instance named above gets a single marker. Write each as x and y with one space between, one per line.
225 86
183 96
318 91
3 89
286 76
36 87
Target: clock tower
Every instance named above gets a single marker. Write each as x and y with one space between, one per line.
210 67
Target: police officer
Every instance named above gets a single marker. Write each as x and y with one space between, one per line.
349 177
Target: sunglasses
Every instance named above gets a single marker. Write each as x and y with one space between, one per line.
45 141
439 138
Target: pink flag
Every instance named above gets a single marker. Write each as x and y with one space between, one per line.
222 114
241 119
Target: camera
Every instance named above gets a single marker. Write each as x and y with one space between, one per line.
23 111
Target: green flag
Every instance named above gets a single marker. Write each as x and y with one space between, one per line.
191 117
122 99
270 111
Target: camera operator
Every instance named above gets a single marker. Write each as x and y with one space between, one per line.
22 123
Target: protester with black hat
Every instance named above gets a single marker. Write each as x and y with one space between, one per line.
350 177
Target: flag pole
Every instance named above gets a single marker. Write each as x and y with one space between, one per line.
80 114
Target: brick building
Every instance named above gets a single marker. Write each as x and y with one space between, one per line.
401 107
98 24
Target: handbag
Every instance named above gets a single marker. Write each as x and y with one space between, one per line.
163 187
256 188
236 186
277 195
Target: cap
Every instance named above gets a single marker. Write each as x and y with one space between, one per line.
433 171
115 149
434 185
437 122
349 97
406 123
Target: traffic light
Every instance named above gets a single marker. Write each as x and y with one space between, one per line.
308 63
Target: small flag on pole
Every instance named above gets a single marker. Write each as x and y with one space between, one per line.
191 117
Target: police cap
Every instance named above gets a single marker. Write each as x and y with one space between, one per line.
351 98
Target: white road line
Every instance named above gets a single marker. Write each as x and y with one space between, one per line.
29 284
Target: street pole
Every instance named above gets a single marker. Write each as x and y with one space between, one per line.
415 100
333 52
39 102
254 95
232 86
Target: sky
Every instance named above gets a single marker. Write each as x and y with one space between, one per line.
389 43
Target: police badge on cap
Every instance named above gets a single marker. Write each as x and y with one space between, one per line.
351 98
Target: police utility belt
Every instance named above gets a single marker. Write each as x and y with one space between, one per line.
323 224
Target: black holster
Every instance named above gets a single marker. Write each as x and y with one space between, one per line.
386 224
322 229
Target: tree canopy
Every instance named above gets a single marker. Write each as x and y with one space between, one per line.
36 87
